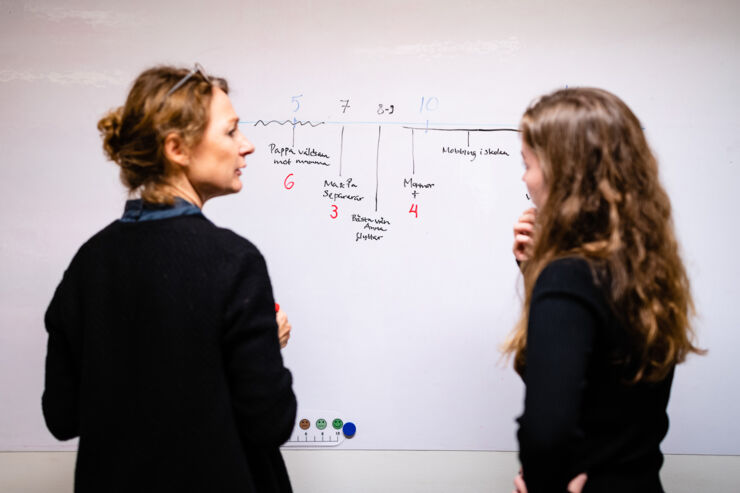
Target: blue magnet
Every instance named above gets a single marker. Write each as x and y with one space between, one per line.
349 429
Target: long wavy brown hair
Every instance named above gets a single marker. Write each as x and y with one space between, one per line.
605 204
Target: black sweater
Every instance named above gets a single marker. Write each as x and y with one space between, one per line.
579 416
163 357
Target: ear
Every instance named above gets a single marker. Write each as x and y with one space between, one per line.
175 150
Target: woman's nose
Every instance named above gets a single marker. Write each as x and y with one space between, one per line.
246 148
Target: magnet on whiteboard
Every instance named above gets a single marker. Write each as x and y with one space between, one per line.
349 429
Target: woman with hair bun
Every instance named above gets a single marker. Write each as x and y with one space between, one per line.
607 301
163 351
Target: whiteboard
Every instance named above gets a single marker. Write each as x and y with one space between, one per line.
400 114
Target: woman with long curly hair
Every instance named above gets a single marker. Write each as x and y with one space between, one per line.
607 305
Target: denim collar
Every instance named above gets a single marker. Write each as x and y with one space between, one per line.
137 210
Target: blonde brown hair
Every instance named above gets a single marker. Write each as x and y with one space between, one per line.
605 204
134 134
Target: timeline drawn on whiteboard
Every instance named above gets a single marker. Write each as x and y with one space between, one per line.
344 193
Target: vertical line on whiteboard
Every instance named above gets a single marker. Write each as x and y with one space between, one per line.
468 138
341 150
293 143
413 154
377 161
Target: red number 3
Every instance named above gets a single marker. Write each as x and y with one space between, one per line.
334 212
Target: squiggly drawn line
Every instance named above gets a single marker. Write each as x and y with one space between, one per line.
288 122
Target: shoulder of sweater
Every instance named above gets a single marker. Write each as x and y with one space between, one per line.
92 243
566 271
573 277
225 235
219 238
232 241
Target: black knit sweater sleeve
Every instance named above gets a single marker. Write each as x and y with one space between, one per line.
563 321
263 400
60 399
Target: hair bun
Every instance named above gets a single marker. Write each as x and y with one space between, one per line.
110 130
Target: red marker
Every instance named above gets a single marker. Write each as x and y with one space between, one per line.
277 308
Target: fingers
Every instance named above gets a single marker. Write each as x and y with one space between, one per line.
523 231
525 223
528 216
284 337
284 328
519 484
576 484
523 227
523 244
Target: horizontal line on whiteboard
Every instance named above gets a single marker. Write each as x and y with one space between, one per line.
426 129
490 127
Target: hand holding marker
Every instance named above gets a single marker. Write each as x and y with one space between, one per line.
284 326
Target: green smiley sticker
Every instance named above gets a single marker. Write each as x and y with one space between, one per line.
320 423
337 424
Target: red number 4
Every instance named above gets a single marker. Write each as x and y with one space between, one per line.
414 210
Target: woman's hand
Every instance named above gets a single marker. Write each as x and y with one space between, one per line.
283 328
575 486
523 231
519 484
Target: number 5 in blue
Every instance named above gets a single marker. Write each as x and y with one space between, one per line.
297 103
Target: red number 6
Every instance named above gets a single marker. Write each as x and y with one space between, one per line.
288 184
